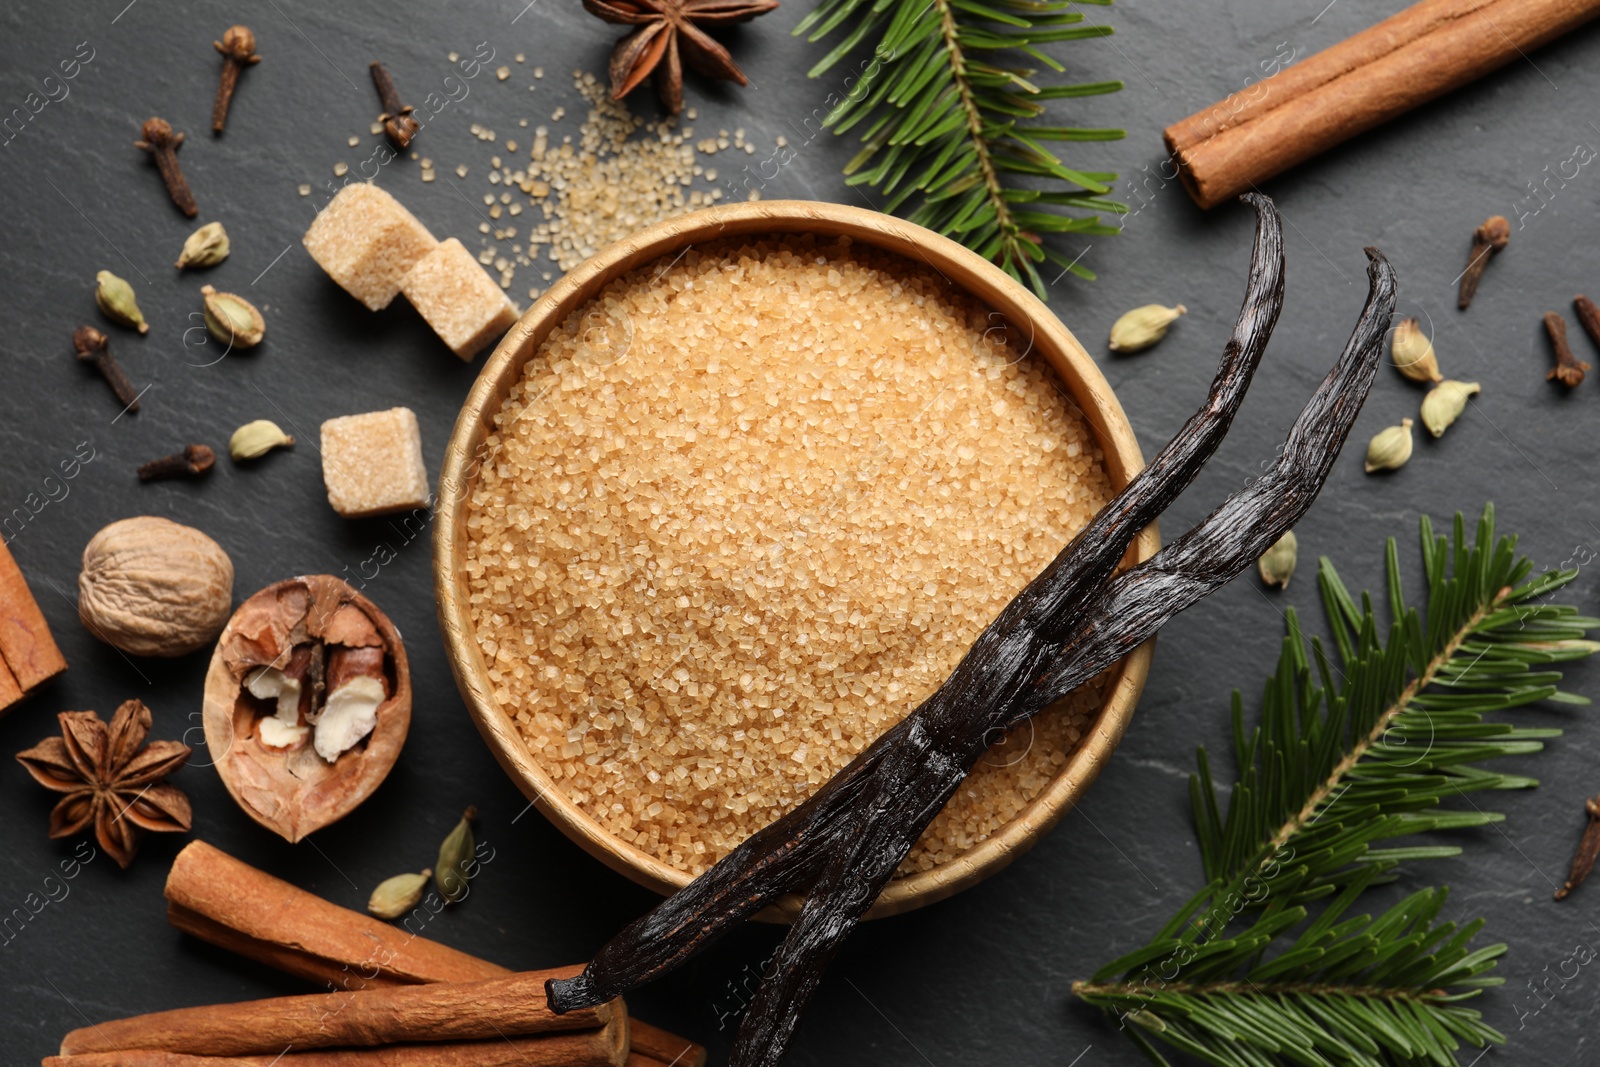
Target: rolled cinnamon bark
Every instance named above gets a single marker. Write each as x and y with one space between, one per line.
1423 52
229 903
584 1048
653 1046
446 1011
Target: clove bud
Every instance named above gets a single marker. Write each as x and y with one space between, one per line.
1489 238
1569 369
192 462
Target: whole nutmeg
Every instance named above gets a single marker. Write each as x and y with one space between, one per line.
152 587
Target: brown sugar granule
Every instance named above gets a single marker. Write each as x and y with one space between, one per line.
746 509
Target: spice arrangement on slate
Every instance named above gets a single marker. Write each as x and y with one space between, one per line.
307 701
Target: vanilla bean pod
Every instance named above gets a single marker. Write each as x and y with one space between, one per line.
1136 604
1117 619
787 854
846 842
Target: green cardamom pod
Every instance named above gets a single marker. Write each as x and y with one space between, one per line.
398 895
1444 404
257 438
117 303
206 247
457 859
232 319
1389 449
1143 327
1413 352
1277 563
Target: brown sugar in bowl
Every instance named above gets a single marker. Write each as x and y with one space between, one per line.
969 275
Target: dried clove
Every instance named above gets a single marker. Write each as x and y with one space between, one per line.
1588 317
1588 850
1569 369
192 462
238 48
1487 239
93 347
396 117
163 144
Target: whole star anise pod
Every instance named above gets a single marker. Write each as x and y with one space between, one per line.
667 30
109 780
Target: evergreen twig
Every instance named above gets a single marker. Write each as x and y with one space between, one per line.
1362 752
953 128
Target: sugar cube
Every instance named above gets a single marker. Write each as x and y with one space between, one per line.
367 242
461 302
372 463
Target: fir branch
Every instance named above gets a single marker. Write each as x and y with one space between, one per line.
1363 754
954 130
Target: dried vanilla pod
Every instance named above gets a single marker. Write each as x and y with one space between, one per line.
307 703
841 846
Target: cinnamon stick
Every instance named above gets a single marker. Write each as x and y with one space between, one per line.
225 901
1421 53
30 656
653 1046
583 1048
445 1011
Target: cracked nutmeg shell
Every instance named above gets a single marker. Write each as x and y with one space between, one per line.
153 587
307 703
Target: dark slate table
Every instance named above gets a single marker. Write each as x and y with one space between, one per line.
982 978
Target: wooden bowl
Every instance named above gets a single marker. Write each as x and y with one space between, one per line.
966 270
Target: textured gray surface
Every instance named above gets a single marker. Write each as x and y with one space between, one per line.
982 978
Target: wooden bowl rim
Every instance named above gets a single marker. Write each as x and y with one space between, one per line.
1089 392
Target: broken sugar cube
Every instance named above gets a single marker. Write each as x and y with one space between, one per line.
366 241
462 303
372 463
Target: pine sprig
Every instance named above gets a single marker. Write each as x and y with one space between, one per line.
1349 754
954 128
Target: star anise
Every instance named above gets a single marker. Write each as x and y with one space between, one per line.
109 780
668 29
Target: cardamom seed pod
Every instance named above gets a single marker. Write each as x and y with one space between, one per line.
1444 404
205 247
232 319
457 859
398 895
1413 352
116 300
1389 449
1143 327
257 438
1277 563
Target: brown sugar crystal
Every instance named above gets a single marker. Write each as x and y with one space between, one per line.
745 510
462 303
367 241
372 463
